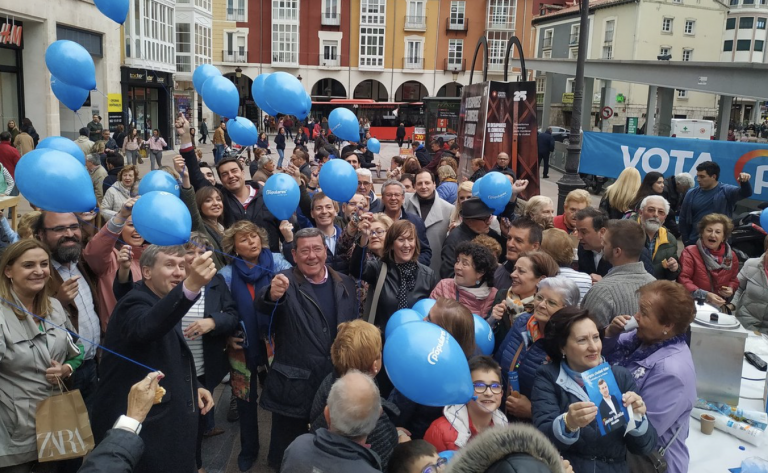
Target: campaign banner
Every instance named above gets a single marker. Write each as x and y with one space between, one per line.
607 154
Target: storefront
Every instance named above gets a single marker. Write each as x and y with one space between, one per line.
11 72
147 100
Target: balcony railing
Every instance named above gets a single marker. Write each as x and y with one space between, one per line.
413 63
500 24
456 24
234 56
574 38
455 65
496 65
236 14
418 23
328 61
330 19
547 43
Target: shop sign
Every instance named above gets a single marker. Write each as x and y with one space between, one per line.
11 35
114 102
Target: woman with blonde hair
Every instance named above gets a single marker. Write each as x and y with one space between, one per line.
620 195
463 193
541 210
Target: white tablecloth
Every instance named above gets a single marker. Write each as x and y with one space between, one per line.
720 451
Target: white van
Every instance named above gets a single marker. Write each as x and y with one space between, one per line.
695 129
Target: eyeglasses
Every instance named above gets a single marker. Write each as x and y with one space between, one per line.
481 388
435 467
63 228
363 183
539 299
379 233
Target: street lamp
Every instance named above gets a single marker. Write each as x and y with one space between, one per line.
239 77
238 72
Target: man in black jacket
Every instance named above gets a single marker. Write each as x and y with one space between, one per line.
391 203
115 163
476 220
307 303
546 144
145 328
400 135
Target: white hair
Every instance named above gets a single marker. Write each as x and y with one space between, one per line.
645 202
354 410
685 179
365 173
566 288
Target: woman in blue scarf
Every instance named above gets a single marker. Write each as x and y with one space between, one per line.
251 267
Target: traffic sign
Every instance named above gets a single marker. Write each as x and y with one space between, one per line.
606 113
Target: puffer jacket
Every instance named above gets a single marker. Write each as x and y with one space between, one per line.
554 391
532 356
751 299
303 341
695 275
518 448
665 248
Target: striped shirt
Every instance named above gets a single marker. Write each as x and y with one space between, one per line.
195 314
583 280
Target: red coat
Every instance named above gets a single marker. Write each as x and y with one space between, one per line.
559 223
693 273
9 157
442 435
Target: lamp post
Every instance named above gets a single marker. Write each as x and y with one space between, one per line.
239 77
571 179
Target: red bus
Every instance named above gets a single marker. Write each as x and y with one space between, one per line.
384 116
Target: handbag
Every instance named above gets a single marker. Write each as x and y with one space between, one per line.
62 427
372 303
653 462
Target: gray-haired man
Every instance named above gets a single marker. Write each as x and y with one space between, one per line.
98 173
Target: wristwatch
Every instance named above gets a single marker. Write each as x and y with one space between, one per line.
129 424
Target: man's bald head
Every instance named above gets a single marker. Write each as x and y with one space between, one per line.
354 406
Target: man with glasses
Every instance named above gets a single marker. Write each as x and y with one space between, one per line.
365 187
307 303
433 211
393 197
75 286
476 220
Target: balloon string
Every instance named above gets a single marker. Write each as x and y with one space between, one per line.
73 334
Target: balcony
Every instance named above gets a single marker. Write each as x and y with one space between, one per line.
330 19
413 63
416 23
331 62
574 38
500 24
234 56
236 14
456 24
547 44
496 65
455 65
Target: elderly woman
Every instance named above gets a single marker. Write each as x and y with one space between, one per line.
265 170
122 190
541 210
563 411
34 356
557 244
358 347
448 188
751 299
472 284
522 351
709 269
660 362
252 266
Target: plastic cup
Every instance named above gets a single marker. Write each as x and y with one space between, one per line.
707 424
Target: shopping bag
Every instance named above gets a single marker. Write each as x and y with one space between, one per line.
63 428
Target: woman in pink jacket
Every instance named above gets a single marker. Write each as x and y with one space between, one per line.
473 280
156 146
116 240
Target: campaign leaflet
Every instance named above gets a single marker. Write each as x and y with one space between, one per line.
605 393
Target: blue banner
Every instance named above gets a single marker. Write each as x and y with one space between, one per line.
607 154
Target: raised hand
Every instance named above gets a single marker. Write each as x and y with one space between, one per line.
278 287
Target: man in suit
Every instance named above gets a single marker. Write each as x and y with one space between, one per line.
610 409
433 211
590 227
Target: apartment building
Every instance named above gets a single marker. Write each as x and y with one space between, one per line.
194 47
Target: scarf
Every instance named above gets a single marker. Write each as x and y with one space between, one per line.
573 374
480 292
712 259
407 273
631 349
516 305
534 330
255 323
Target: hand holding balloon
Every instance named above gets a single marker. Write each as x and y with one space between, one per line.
286 229
127 208
278 287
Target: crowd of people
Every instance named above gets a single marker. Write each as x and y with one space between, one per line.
293 313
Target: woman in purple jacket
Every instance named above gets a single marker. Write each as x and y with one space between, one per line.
660 361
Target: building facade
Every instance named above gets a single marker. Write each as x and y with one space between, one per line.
26 30
194 47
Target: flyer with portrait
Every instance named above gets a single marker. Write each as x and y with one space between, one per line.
605 393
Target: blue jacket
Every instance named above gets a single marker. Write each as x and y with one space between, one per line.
724 202
531 356
448 191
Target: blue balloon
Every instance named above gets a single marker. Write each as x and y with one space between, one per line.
284 93
242 131
495 190
427 365
373 145
308 100
115 10
202 74
71 96
258 92
71 63
343 123
162 219
56 181
338 179
401 317
764 219
281 196
66 145
424 306
158 180
476 188
484 338
221 96
448 454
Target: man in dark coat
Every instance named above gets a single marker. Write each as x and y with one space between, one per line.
391 203
400 135
422 155
146 327
307 303
114 164
546 145
476 220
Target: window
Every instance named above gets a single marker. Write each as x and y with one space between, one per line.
414 57
748 2
204 4
610 26
457 15
330 13
203 45
665 50
666 25
573 53
546 55
746 22
330 53
496 50
90 41
734 2
372 14
455 51
608 52
743 45
574 39
235 10
285 10
501 14
541 85
285 31
690 27
730 24
761 23
548 37
569 85
728 45
415 16
682 94
183 48
759 44
687 54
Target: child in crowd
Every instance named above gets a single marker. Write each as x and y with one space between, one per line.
415 456
461 422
